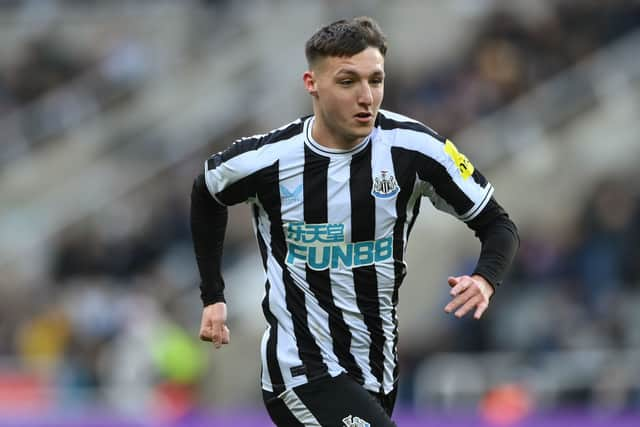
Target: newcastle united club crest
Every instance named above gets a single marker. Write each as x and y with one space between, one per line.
385 185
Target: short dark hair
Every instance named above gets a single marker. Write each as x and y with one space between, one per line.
345 38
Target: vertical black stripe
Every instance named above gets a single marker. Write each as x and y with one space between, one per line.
416 211
269 196
406 178
272 342
315 176
261 244
363 228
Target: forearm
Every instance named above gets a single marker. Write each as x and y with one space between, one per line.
499 238
208 226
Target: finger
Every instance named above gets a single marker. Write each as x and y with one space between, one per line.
208 334
225 335
462 285
222 336
205 333
480 310
457 302
452 281
205 329
468 306
218 332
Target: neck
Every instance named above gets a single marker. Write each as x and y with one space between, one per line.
329 138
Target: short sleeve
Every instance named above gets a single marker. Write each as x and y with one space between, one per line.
231 175
451 181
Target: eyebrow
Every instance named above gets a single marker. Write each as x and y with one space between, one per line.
354 73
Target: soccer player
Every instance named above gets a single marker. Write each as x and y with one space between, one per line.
334 196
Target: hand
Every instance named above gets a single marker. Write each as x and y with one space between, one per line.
213 326
469 292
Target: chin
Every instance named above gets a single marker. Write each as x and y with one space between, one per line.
358 132
363 131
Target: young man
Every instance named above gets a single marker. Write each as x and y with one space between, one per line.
334 197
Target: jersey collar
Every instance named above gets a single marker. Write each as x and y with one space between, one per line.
331 152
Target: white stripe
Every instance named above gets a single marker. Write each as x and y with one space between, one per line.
299 409
206 183
386 217
267 384
286 349
344 295
292 209
478 207
397 117
243 165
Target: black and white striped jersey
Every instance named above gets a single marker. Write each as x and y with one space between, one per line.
332 227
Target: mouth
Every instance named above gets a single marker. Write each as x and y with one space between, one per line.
364 117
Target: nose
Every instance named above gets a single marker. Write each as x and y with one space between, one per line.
365 97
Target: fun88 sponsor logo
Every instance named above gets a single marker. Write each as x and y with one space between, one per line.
323 246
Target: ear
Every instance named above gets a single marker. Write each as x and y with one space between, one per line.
310 83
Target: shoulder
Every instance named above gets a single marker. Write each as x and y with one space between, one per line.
403 132
249 147
256 142
390 121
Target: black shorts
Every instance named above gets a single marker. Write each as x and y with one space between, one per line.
335 402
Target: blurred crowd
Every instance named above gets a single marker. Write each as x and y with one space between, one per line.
52 85
508 57
572 288
78 330
45 65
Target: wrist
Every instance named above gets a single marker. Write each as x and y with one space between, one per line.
486 285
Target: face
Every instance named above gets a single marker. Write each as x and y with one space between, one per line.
347 93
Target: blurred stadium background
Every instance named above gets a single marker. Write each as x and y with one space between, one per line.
108 110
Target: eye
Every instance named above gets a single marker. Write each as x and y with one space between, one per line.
345 82
376 81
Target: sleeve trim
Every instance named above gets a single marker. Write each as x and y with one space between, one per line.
473 212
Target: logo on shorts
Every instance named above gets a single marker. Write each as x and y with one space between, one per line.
351 421
385 185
